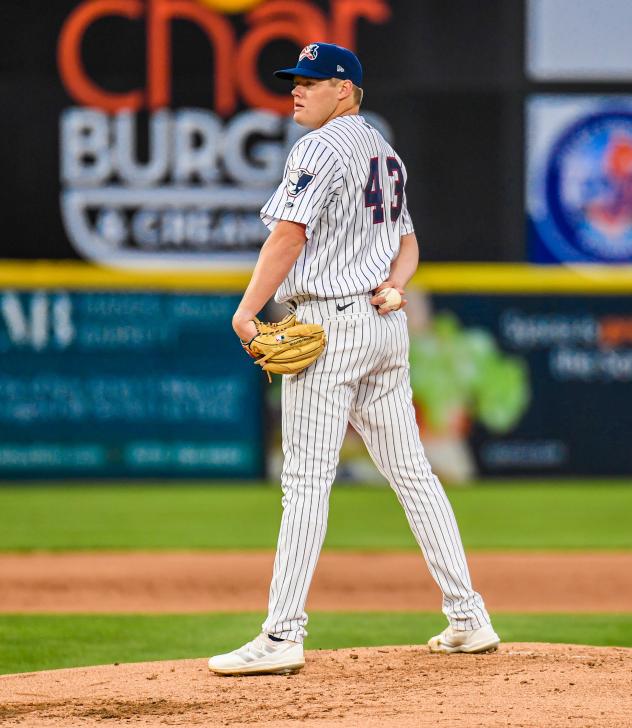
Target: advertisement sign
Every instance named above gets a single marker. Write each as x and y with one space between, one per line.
147 181
554 397
147 133
579 179
126 385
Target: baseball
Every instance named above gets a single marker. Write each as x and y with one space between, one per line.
393 299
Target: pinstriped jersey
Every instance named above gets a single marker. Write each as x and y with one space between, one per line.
346 184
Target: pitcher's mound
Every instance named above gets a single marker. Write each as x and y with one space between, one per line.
389 687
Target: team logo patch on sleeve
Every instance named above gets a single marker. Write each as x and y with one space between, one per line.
298 180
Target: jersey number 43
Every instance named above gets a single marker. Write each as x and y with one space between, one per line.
373 196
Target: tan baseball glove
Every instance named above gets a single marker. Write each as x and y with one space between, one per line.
285 347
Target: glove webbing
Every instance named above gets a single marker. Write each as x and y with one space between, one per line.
279 350
285 323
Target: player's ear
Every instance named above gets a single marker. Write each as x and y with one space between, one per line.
345 90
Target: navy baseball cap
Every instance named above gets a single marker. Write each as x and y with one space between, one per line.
325 60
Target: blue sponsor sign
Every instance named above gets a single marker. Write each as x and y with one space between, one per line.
126 385
577 355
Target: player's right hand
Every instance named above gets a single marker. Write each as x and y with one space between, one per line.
378 300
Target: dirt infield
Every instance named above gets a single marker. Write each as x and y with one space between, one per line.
201 582
529 685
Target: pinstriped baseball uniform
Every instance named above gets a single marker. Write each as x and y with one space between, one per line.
345 183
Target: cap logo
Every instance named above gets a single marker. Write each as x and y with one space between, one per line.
339 69
310 52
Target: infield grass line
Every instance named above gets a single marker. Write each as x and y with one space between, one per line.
540 515
44 642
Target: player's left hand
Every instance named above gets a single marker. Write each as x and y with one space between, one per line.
377 300
244 327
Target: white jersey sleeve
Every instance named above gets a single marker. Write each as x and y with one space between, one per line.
312 178
407 223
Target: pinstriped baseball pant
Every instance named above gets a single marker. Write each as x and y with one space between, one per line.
363 378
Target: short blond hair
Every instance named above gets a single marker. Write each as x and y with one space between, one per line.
357 92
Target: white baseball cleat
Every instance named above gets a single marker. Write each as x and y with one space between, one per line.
261 656
473 640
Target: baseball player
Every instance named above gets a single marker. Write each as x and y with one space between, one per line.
340 234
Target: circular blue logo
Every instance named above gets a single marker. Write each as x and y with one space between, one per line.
588 186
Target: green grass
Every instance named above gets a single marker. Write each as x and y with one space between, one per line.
537 515
30 643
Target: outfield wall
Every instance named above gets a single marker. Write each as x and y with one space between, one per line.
515 370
